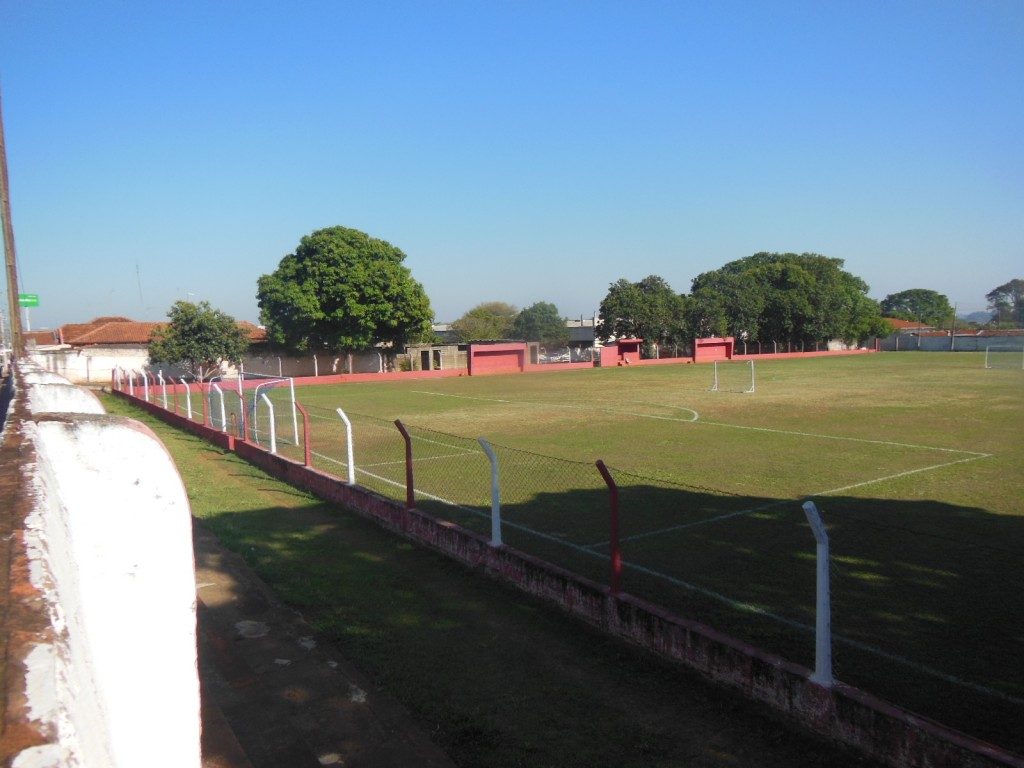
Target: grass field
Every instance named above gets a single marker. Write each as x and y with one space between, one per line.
916 460
497 678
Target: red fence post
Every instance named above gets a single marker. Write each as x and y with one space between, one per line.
410 495
174 392
306 438
616 553
205 394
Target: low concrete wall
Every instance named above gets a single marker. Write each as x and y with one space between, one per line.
801 355
101 664
958 343
843 713
545 367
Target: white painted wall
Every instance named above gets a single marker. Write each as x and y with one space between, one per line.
92 365
111 549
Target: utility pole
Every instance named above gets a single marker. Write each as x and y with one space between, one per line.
14 311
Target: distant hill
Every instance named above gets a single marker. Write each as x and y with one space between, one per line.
976 317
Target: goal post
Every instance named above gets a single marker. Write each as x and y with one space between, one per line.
280 389
1004 356
733 376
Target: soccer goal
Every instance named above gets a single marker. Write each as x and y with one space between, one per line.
1004 356
733 376
280 391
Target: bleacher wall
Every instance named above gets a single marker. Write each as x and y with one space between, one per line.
100 626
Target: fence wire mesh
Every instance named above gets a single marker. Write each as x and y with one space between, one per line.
742 563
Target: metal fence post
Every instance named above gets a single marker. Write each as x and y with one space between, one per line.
241 413
163 386
495 493
615 551
348 446
823 610
306 437
188 399
273 433
410 494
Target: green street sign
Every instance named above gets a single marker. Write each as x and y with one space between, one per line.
28 299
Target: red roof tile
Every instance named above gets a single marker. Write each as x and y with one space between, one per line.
907 325
119 330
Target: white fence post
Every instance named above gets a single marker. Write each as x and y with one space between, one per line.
163 386
145 386
348 446
495 493
823 611
295 414
188 398
223 412
273 434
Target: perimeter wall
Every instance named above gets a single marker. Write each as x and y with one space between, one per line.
99 625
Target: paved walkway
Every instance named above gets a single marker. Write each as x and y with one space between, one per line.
274 696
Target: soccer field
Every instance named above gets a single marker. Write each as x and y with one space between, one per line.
915 460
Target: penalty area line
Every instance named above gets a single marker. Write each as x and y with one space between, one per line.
589 408
845 438
775 504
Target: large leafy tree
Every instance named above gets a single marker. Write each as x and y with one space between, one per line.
489 320
926 306
1007 303
342 290
648 310
541 322
784 297
199 339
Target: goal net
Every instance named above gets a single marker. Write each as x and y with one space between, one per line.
733 376
1004 356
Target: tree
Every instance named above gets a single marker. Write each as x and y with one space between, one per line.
648 310
921 304
541 322
490 320
199 339
342 290
725 304
1007 303
784 297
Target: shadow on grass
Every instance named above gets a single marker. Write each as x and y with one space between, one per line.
495 677
926 596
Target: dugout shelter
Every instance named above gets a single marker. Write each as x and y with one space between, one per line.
622 352
713 348
497 357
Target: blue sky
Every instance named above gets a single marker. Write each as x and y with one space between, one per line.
515 151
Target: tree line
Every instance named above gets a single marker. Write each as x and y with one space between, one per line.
343 290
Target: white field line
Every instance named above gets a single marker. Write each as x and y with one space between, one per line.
421 459
736 604
478 513
567 407
694 524
844 438
782 502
